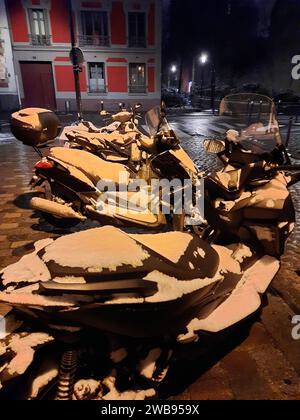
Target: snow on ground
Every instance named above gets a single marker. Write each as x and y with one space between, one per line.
5 137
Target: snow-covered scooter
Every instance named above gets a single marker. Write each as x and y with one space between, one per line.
72 181
116 142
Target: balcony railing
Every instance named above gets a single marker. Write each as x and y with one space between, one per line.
137 42
137 89
93 41
40 40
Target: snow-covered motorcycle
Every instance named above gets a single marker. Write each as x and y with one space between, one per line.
72 180
102 314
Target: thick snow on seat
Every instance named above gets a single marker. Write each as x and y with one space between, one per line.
172 245
94 167
273 195
96 249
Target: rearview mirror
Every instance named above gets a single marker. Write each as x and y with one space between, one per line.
214 146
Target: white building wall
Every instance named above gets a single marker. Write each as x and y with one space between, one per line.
8 94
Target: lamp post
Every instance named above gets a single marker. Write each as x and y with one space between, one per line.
213 88
203 61
76 64
172 71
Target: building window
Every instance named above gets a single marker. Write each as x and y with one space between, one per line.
137 78
94 29
96 78
39 27
137 30
3 69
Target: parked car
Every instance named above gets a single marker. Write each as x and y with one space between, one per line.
172 98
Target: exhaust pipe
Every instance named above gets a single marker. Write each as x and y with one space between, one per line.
56 209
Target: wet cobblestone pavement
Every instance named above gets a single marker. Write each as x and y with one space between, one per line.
262 361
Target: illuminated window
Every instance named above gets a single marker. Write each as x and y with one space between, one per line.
137 76
96 77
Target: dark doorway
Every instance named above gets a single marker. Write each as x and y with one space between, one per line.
38 85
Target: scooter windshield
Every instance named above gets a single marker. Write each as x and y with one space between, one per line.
254 117
155 122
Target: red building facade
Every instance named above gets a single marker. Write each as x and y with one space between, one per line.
120 40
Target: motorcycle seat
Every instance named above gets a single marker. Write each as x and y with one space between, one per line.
99 138
92 166
269 201
266 202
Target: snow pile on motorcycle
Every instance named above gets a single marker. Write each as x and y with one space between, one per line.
164 279
131 286
34 126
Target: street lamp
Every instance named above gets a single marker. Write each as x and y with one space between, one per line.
173 71
75 60
203 61
203 58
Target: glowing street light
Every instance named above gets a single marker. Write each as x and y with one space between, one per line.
203 61
172 74
203 58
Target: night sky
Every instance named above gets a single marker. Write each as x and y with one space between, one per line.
247 40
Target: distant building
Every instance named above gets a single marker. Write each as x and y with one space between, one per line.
120 39
8 84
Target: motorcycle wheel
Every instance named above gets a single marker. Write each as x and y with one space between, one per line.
57 221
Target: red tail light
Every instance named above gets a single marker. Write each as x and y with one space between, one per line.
43 165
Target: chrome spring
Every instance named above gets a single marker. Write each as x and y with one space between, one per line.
68 367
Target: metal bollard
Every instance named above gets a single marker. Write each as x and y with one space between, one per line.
67 107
